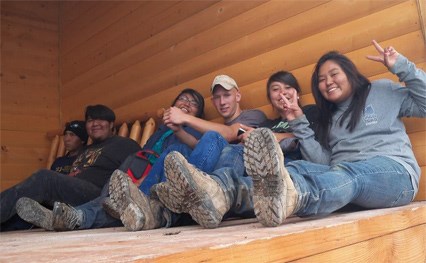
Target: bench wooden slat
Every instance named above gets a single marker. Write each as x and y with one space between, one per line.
135 132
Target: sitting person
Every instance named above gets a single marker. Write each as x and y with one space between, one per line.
210 197
226 96
91 214
75 138
89 173
363 155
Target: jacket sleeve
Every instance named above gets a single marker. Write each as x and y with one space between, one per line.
311 149
414 105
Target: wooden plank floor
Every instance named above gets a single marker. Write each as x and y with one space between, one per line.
384 235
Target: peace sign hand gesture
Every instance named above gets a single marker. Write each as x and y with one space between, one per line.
291 109
387 55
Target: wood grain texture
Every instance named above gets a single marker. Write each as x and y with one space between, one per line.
337 235
29 86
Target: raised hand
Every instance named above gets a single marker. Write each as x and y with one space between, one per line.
291 108
387 55
173 115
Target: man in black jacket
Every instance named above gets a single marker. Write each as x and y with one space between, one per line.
90 172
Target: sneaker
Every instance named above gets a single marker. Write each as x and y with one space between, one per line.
66 217
192 191
111 208
137 211
34 213
274 194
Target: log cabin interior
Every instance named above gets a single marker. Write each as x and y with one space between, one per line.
135 56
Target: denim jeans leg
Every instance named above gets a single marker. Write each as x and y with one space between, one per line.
230 174
94 216
46 185
375 183
208 151
156 175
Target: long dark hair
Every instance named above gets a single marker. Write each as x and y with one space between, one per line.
360 90
283 77
198 98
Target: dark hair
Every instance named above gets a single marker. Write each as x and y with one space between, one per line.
360 90
197 97
99 112
78 128
283 77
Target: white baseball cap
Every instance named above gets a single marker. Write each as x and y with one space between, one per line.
225 81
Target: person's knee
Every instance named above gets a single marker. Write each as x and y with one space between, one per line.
40 175
212 135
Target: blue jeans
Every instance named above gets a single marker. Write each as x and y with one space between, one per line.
375 183
204 156
231 176
94 216
379 182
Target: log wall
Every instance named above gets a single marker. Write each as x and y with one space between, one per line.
135 56
29 86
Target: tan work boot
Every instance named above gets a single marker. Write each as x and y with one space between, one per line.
274 194
66 217
34 213
110 208
137 211
189 190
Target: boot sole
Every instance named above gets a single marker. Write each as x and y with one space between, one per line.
120 194
170 194
34 213
263 160
193 200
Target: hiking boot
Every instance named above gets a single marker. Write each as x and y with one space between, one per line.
34 213
192 191
66 217
111 208
274 194
175 198
137 211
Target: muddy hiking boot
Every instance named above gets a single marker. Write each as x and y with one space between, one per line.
66 217
137 211
34 213
274 194
111 208
189 190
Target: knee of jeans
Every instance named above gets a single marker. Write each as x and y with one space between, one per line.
178 147
39 175
404 198
213 136
305 167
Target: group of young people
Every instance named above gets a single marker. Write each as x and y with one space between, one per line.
349 148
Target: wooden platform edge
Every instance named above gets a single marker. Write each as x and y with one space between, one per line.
352 236
382 235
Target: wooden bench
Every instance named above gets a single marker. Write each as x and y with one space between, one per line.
382 235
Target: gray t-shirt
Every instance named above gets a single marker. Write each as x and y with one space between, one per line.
381 131
252 118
